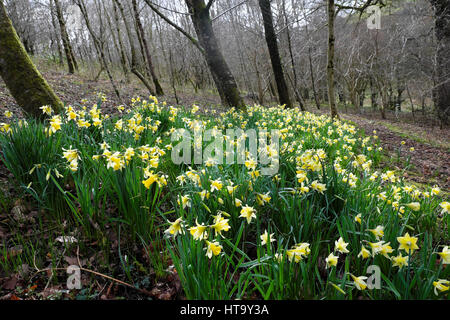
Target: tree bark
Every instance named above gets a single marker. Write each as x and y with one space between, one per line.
23 80
313 81
98 46
57 40
71 62
123 57
221 73
140 30
442 90
133 50
271 40
330 67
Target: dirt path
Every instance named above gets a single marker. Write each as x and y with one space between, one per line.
430 159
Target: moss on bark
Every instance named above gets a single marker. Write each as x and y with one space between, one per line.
23 80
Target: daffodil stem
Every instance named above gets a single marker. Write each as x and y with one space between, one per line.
408 275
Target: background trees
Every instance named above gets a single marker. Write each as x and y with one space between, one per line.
222 46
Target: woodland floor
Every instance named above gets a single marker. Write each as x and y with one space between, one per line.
429 163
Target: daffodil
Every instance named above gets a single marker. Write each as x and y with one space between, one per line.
176 227
199 232
359 282
408 243
378 232
115 161
152 178
445 207
319 187
5 127
435 190
364 253
70 154
386 249
220 224
46 110
263 198
445 255
399 261
298 252
248 213
331 260
213 248
250 164
231 189
415 206
216 185
266 238
185 201
341 246
55 124
442 285
377 247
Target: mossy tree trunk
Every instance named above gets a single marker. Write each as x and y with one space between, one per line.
271 40
23 80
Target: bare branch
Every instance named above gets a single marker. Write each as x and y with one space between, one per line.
184 32
228 10
208 6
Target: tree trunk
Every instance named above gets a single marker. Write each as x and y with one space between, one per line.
58 44
442 90
151 69
133 50
71 62
221 73
123 57
271 40
23 80
373 96
330 67
313 82
98 46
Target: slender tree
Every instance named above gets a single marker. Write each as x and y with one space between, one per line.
441 92
141 32
98 45
208 45
71 61
330 64
333 9
271 40
134 63
23 80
